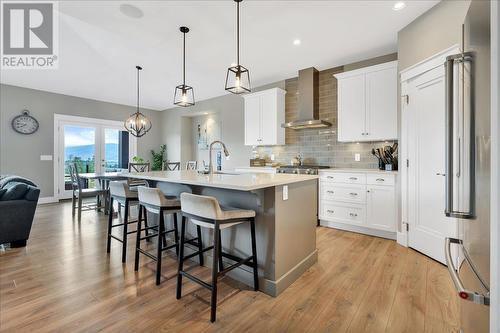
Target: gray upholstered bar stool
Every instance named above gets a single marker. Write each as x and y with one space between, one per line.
205 211
124 196
153 200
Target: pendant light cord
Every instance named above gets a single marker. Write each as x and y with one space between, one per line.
184 61
238 33
138 69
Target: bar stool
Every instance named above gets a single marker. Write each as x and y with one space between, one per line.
205 211
121 192
154 201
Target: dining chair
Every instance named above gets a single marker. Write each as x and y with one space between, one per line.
171 166
79 192
192 165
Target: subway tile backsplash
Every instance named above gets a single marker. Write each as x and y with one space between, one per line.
320 146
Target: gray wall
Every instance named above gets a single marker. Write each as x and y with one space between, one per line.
20 154
435 30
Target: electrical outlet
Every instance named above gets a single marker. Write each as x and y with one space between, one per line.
285 192
272 157
357 157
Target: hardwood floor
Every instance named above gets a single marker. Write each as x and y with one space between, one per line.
64 281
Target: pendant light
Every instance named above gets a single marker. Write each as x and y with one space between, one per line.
184 95
138 124
238 77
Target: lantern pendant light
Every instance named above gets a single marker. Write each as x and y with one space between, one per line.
138 124
238 77
184 95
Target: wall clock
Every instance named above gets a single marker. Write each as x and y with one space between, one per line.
24 123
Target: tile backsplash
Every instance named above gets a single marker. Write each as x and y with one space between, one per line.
320 146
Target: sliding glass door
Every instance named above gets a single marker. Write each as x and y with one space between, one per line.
93 145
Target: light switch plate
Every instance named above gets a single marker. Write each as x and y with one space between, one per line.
45 157
357 157
285 192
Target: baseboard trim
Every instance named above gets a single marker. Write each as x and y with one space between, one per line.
47 200
402 238
359 229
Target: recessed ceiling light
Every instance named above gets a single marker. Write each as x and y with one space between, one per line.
131 11
399 5
296 42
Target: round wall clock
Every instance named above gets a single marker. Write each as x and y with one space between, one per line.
24 123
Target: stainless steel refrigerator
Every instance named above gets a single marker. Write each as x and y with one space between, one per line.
468 176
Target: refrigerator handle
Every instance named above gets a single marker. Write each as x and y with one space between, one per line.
462 292
449 140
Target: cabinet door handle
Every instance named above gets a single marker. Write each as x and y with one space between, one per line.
329 211
353 178
331 192
329 177
380 179
353 214
353 193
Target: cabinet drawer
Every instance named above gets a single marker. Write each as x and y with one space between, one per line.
345 213
344 177
343 192
381 179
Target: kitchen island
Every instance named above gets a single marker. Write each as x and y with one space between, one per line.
286 216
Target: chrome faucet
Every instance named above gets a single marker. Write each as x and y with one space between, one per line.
210 163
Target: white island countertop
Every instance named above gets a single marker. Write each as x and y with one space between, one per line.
229 180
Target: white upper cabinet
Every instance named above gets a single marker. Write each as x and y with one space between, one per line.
264 114
367 103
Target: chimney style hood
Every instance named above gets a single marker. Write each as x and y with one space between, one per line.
308 115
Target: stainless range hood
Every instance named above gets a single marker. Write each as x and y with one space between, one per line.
308 115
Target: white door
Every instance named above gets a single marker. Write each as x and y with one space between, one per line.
252 120
381 207
381 105
425 133
351 114
268 119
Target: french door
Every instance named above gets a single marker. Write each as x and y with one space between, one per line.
93 145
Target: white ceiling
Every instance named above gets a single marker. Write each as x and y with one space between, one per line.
100 46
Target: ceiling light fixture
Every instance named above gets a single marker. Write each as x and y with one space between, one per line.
138 124
237 77
399 5
184 95
296 42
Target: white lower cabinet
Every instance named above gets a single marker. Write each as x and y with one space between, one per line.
359 202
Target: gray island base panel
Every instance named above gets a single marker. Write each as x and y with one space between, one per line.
285 229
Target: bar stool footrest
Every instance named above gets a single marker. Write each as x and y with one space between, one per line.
194 254
237 259
195 279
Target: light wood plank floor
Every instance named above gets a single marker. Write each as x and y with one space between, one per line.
64 281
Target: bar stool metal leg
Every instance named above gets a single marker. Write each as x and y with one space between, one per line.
181 258
176 235
124 239
254 256
221 264
161 239
138 238
110 224
200 243
213 299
